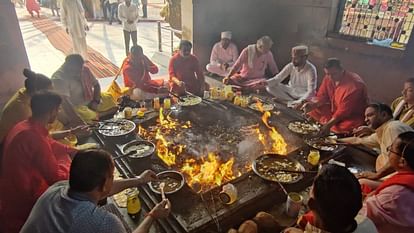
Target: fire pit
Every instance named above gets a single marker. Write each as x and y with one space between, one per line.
212 146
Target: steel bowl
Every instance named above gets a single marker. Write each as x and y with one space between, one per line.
171 174
113 128
126 149
258 164
317 143
185 100
294 130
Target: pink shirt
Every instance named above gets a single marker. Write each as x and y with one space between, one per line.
392 210
219 55
259 65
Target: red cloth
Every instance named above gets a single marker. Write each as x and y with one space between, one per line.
348 99
31 162
137 75
88 82
405 178
32 5
188 70
366 189
308 217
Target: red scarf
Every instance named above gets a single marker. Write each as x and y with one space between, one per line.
405 178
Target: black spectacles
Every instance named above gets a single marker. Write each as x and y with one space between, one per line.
389 150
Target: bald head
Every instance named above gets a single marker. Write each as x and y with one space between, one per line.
264 44
300 55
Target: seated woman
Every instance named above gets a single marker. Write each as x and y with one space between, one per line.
81 92
403 106
18 107
390 206
136 75
252 64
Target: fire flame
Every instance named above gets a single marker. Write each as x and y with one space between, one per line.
207 172
278 144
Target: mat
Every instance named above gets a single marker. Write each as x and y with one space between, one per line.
100 66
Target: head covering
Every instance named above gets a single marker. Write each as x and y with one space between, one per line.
300 50
226 34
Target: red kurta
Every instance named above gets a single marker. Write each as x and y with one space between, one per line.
347 99
137 75
188 70
31 162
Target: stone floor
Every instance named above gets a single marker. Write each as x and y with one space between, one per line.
106 39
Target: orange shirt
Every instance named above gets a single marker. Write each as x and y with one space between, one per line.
347 99
137 75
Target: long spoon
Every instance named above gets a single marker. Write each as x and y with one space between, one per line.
291 171
162 185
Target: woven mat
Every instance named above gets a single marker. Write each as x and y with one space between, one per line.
100 66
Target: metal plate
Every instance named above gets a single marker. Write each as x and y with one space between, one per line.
263 164
116 127
177 176
143 149
190 100
317 143
303 127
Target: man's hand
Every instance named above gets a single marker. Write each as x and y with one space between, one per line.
86 28
226 66
226 80
130 21
368 175
324 131
308 106
161 210
147 176
363 131
67 30
297 104
180 83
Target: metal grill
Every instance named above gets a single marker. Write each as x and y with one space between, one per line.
378 19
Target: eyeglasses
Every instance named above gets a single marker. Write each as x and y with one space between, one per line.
389 150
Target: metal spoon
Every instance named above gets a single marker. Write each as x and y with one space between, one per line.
162 185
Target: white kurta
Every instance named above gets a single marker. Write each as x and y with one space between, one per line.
301 86
219 56
126 13
383 137
73 18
